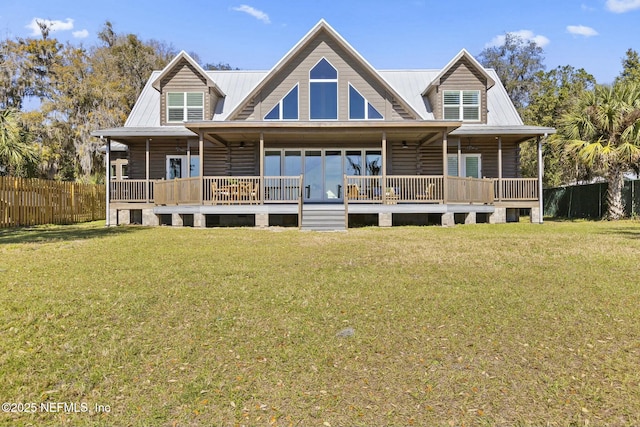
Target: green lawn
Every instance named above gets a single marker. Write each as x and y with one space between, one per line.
514 324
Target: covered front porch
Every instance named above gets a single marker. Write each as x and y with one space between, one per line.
359 168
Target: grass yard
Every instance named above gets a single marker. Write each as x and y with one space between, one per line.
514 324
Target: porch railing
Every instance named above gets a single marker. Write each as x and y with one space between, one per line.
414 189
282 189
240 190
518 189
469 190
132 190
182 191
363 189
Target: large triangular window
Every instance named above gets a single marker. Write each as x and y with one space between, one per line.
360 108
323 91
286 108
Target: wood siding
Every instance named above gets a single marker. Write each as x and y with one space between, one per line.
184 78
215 158
235 161
461 76
350 71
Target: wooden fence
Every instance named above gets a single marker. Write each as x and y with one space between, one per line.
37 201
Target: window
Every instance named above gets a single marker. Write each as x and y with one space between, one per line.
373 161
461 105
360 108
323 91
286 108
185 106
177 166
471 165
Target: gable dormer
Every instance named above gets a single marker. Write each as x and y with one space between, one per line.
323 78
459 91
187 93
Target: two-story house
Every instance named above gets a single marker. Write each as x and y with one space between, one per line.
322 140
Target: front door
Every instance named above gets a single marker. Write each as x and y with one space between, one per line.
323 176
313 172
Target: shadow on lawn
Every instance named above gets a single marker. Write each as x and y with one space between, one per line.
50 233
625 232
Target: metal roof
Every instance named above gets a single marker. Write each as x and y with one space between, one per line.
408 85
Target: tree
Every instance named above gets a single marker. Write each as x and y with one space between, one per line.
554 94
630 67
603 130
516 62
16 154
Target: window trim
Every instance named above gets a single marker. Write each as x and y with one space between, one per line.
185 107
336 81
366 105
280 106
461 105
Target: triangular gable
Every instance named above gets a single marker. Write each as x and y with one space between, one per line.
184 56
463 54
323 26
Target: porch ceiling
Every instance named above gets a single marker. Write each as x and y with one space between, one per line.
321 132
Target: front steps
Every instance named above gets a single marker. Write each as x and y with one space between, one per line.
323 217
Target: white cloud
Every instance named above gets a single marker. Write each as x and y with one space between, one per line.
54 26
258 14
526 35
622 6
82 34
581 30
587 8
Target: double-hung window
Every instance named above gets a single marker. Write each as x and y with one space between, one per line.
185 106
323 91
462 105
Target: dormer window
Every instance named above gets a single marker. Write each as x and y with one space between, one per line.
461 105
286 108
185 106
323 91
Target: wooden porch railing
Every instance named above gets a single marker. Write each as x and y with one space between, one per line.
282 189
228 190
363 189
469 190
182 191
517 189
132 190
414 189
240 190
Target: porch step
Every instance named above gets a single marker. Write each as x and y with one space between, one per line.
323 218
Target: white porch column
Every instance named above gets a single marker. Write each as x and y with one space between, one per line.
384 167
201 160
188 158
500 168
108 181
445 166
459 158
146 170
261 190
540 175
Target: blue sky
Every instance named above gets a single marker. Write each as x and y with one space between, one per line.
398 34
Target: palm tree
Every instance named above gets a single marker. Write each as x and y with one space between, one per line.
604 132
15 152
